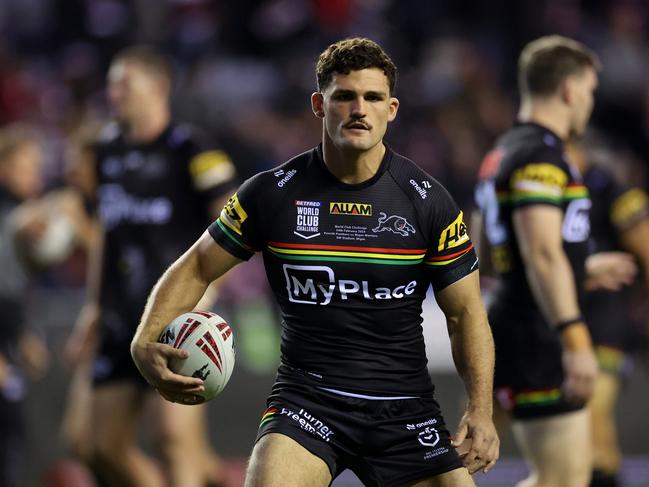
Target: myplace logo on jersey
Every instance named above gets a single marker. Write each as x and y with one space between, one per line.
116 206
312 284
307 220
355 209
286 176
422 192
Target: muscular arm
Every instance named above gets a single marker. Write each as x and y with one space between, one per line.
538 232
177 291
473 353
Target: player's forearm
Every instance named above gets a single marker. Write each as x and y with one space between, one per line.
178 290
473 353
553 286
552 283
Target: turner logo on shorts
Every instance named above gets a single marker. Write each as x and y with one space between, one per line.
308 423
312 284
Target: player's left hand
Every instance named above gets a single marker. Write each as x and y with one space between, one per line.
477 442
610 271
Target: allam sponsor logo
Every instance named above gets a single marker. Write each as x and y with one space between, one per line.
356 209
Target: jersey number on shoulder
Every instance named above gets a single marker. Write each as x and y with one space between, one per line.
576 222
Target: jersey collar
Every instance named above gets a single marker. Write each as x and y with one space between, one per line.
385 163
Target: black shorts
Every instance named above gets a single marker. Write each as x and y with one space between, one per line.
113 361
384 442
610 329
529 369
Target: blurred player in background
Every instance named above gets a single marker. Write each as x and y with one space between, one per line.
157 186
21 351
619 222
352 236
535 217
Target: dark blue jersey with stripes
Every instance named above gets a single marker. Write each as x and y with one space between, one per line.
350 265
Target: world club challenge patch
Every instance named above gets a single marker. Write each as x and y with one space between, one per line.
307 218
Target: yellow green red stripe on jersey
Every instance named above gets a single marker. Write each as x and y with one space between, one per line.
442 260
226 228
575 191
537 397
346 253
610 359
268 415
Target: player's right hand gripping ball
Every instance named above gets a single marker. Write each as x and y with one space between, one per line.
210 343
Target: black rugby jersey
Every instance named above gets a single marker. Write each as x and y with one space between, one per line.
350 265
528 167
616 209
153 203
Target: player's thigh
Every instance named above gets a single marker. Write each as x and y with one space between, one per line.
177 423
602 404
558 447
279 461
77 420
116 413
460 477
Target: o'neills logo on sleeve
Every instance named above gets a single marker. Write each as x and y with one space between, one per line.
358 209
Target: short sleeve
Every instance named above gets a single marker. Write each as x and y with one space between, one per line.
450 255
211 170
628 208
538 183
237 229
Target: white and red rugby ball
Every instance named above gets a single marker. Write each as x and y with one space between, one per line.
210 343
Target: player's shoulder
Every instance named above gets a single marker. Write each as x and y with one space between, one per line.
109 135
530 143
182 134
279 178
418 185
600 179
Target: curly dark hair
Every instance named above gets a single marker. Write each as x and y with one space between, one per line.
353 55
547 61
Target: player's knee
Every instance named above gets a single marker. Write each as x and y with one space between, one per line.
80 450
109 452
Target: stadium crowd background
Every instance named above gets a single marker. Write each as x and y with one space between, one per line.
244 73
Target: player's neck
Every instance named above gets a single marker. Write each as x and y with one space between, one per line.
548 114
148 126
352 167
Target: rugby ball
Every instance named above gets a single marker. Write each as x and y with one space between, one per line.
210 343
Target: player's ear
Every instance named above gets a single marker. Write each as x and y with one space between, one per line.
567 90
393 109
317 104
